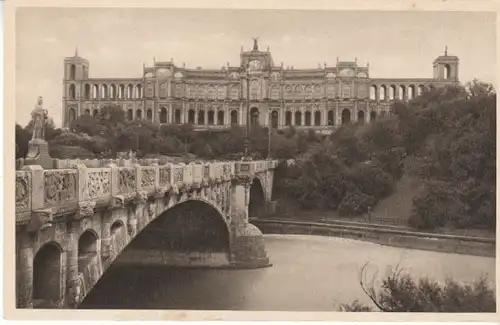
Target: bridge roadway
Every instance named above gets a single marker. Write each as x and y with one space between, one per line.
72 223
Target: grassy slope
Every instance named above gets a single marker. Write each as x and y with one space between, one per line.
399 203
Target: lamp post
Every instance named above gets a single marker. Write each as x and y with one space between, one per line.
247 130
269 133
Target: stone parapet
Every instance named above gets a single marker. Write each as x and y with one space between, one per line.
79 189
96 163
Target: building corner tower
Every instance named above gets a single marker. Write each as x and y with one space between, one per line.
76 70
446 67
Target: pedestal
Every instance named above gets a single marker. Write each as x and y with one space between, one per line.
248 249
38 154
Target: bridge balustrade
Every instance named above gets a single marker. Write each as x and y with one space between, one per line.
46 193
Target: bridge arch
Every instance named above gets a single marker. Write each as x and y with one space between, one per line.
191 228
88 249
193 232
257 199
48 274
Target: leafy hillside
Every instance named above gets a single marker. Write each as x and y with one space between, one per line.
431 162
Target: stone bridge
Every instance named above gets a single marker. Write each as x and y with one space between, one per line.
72 223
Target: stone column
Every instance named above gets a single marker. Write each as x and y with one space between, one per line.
367 113
281 117
355 117
73 283
106 249
247 242
338 114
183 110
324 114
131 222
242 117
170 114
270 205
227 115
24 271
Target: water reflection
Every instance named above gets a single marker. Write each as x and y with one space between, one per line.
309 273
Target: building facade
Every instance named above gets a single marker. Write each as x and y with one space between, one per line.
256 91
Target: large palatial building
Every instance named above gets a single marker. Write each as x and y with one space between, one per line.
321 98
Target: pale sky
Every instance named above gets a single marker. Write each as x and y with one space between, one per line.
118 41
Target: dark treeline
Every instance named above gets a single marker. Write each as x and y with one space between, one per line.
104 135
445 137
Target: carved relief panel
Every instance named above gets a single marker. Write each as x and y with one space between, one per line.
126 179
330 75
163 73
99 183
23 190
254 65
347 72
59 186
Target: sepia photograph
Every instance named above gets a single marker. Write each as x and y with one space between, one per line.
265 160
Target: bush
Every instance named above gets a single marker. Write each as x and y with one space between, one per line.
438 205
70 152
355 306
399 292
356 203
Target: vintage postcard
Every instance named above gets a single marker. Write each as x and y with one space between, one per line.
200 161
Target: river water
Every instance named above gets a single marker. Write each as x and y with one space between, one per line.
309 273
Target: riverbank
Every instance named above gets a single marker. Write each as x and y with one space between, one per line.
382 234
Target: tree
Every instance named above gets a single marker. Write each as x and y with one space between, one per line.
22 140
137 135
86 124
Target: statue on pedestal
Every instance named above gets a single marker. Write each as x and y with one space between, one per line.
38 148
39 117
255 44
